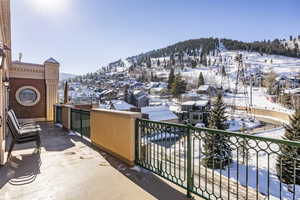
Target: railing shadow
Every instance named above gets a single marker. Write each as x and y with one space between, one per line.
148 181
20 170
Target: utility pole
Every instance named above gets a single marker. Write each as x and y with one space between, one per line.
251 90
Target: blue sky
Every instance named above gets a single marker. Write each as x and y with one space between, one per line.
86 34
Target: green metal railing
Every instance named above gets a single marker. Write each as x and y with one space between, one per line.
80 122
218 164
58 114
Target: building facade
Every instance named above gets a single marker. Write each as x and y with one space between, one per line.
5 39
33 89
29 89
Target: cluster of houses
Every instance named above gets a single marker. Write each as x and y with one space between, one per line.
120 91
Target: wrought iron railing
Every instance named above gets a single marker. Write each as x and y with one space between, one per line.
58 114
80 122
218 164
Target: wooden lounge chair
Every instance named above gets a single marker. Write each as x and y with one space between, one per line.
20 136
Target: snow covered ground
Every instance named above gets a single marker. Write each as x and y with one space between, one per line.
261 166
238 124
255 63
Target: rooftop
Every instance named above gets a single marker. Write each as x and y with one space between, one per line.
159 113
68 167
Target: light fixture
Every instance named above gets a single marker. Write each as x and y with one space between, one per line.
3 48
2 55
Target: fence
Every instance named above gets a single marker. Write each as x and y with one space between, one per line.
58 114
80 122
218 164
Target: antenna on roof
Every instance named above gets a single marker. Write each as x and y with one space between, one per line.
20 56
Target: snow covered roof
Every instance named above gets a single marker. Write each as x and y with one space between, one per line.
121 105
201 103
188 103
196 103
292 91
159 113
203 87
52 60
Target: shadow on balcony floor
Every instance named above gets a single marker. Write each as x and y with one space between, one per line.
68 167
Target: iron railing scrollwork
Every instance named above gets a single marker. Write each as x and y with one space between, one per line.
217 164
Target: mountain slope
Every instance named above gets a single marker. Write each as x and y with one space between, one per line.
65 76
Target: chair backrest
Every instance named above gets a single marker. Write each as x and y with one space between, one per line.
12 126
15 118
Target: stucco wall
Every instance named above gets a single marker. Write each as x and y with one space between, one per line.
114 132
66 116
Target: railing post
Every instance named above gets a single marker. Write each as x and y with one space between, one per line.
189 162
80 114
137 141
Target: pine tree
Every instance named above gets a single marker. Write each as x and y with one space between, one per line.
158 62
148 62
193 63
217 149
126 94
201 79
171 78
290 156
178 86
223 71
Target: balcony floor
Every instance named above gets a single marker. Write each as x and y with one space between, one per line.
69 168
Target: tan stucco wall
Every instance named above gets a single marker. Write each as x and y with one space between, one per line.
114 132
66 116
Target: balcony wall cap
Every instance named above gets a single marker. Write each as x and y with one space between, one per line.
118 112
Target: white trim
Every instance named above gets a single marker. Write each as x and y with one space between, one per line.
28 104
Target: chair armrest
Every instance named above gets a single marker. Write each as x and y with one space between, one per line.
29 122
28 126
29 130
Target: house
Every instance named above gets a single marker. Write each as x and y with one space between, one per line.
139 98
287 81
193 96
120 105
207 90
159 113
195 112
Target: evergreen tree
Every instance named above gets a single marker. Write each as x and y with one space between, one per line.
217 149
171 78
193 63
126 94
152 77
201 79
158 62
209 62
148 62
290 156
223 72
178 86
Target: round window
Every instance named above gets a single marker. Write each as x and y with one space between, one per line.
27 96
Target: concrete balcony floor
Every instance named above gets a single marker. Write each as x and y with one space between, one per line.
69 168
